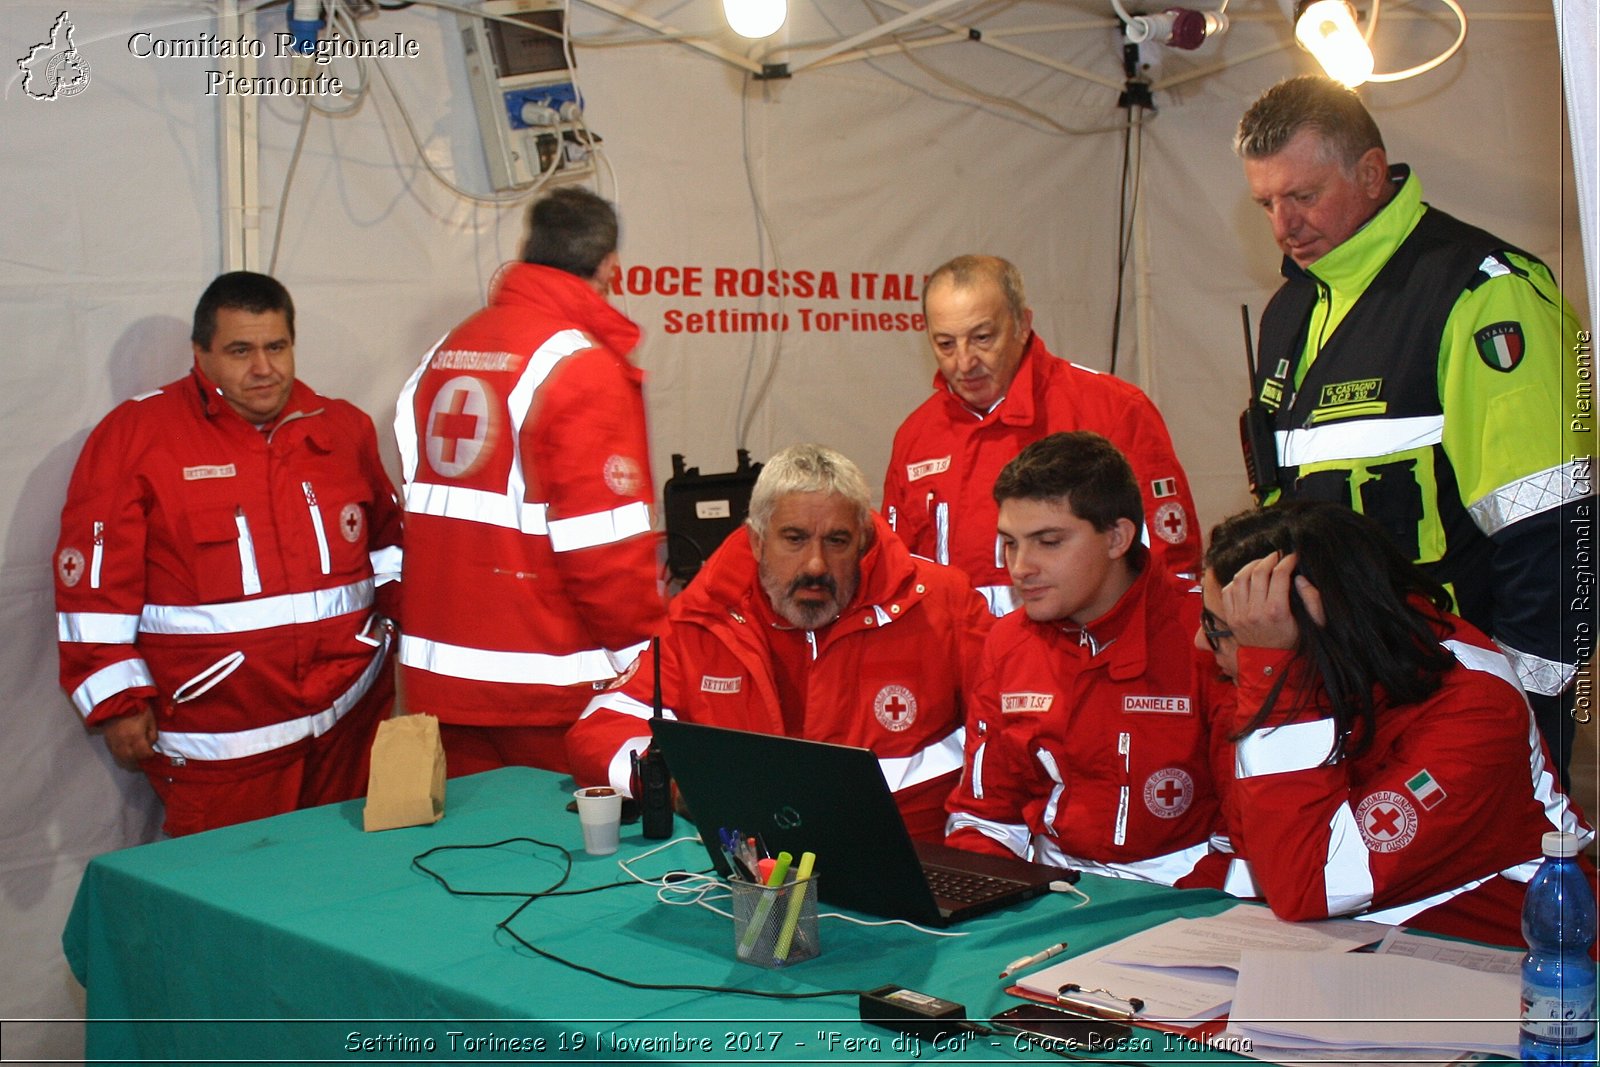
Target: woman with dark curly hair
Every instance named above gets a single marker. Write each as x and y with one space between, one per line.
1385 761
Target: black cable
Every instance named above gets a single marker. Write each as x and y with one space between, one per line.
416 861
505 924
1125 214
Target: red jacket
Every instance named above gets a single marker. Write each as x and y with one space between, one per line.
891 674
1086 747
1436 825
226 570
532 570
937 494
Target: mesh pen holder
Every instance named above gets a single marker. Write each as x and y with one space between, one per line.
775 926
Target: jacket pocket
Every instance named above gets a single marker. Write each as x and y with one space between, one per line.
224 564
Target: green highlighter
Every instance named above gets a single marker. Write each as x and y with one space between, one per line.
780 871
797 900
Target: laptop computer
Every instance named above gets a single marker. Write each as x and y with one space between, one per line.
809 796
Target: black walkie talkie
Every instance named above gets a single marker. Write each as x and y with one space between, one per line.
655 782
1256 438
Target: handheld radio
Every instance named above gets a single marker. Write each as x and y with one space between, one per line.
1256 438
655 781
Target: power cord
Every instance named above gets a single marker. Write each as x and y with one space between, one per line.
703 889
554 890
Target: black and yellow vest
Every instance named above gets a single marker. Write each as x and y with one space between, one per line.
1364 426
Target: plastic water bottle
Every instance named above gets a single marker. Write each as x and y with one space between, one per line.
1558 975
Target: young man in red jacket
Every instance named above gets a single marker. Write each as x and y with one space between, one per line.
1086 745
813 621
528 493
997 390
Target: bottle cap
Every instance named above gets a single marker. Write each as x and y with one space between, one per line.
1560 844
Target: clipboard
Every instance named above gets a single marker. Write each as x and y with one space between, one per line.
1165 1001
1197 1032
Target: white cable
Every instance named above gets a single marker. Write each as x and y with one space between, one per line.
700 889
288 181
627 869
1068 887
1422 68
512 196
509 197
895 922
600 158
337 15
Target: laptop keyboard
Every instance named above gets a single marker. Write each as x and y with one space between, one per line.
967 887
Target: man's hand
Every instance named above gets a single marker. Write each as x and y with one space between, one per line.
1256 602
131 738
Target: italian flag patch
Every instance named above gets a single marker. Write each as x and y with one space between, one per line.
1500 346
1425 789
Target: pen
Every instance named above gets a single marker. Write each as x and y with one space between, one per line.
1028 961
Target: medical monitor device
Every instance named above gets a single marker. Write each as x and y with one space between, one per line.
528 108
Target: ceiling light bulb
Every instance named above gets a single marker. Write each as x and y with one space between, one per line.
1327 29
755 18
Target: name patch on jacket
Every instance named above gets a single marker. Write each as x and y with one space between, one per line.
1157 704
708 684
1031 702
194 474
1345 399
927 467
458 359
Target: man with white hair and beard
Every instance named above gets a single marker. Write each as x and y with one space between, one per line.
813 621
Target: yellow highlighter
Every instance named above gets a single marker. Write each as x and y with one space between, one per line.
797 900
780 871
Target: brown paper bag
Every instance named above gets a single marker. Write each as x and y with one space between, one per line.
406 786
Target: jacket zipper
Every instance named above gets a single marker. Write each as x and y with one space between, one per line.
316 524
208 678
97 554
249 575
1124 746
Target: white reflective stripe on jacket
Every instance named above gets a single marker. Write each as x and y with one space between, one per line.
243 616
241 743
1162 869
532 668
107 682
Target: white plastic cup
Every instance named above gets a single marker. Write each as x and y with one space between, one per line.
600 812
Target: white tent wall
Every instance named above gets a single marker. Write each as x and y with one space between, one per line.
868 174
1579 32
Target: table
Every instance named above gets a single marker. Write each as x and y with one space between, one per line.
301 938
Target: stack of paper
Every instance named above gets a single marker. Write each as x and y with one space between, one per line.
1183 971
1297 992
1406 1000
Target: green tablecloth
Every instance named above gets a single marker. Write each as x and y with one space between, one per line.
301 938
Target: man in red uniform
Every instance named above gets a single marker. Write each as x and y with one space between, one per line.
813 622
998 390
221 547
1386 762
532 571
1085 745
